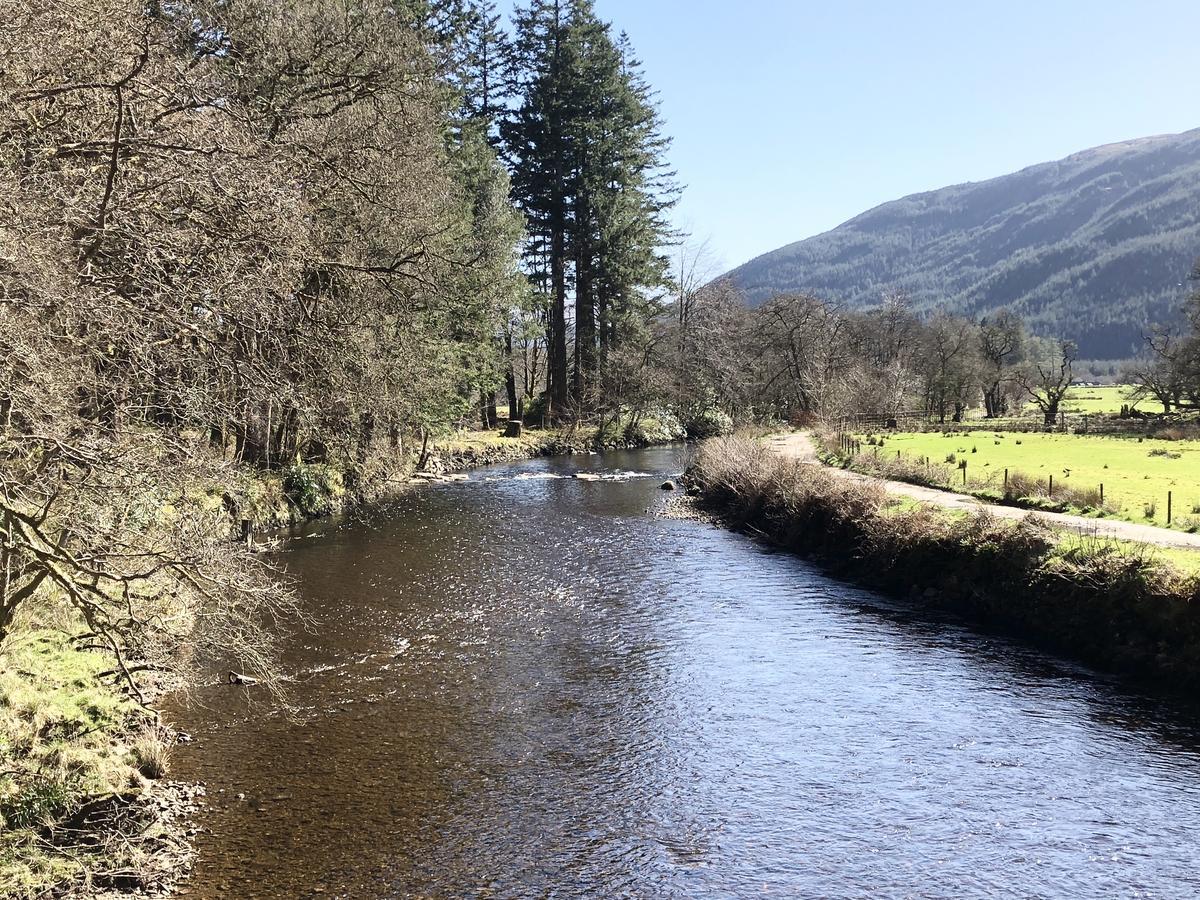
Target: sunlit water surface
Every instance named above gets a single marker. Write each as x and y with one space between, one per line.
528 685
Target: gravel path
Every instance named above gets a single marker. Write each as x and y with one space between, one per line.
799 445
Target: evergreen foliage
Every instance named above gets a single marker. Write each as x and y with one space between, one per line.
585 143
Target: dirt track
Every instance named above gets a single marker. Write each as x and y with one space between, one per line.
799 445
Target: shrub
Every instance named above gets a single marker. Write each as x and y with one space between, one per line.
711 422
303 488
39 801
659 426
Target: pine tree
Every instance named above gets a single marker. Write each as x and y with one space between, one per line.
536 140
625 192
586 148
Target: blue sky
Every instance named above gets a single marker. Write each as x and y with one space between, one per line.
791 117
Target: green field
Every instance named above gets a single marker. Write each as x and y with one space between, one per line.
1096 400
1137 475
1092 401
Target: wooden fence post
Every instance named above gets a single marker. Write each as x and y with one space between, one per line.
1170 497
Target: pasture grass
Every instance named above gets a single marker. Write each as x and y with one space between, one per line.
1137 474
1104 399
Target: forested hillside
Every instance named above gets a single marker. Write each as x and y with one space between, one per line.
1094 247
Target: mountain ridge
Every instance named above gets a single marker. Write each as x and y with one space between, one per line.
1095 246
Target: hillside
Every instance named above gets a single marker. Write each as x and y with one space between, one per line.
1093 247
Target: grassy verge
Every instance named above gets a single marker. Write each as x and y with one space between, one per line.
1057 472
78 761
1114 605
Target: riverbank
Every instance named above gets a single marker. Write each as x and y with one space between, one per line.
85 804
266 501
1112 605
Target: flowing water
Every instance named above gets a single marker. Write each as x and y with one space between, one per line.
528 685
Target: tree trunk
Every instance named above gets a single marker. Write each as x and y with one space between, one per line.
556 361
510 378
424 458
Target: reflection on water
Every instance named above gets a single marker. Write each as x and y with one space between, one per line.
528 686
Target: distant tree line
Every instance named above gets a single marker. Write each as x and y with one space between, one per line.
802 359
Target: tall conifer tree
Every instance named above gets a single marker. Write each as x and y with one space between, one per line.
586 148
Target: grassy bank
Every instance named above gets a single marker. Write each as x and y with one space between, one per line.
82 807
466 449
1114 605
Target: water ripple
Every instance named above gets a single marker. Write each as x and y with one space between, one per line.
525 686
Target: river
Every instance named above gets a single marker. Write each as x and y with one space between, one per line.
529 685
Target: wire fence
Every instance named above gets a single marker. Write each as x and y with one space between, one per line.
1014 486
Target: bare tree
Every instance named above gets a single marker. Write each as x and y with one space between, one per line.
949 366
1047 376
1001 340
228 233
802 356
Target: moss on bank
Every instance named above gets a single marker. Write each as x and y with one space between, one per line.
78 762
1116 606
302 492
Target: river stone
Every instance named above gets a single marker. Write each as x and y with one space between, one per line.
668 486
